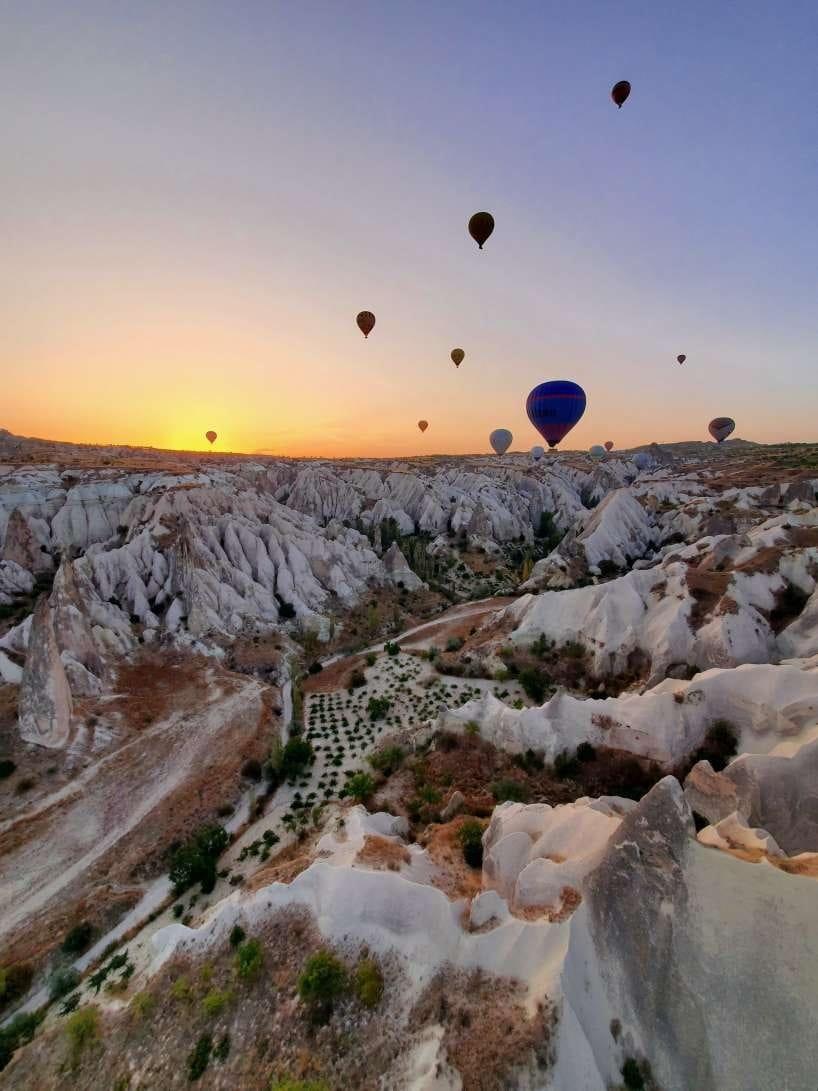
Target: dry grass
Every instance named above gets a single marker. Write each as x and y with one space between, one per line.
381 854
488 1035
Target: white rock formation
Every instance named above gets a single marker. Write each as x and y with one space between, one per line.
45 706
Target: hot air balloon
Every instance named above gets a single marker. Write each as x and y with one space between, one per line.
481 226
681 358
642 460
211 437
500 439
366 322
554 408
537 452
608 444
423 425
620 91
720 428
457 356
597 451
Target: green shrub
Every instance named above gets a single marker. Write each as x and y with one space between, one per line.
295 757
143 1004
387 760
470 836
454 643
585 752
565 765
472 728
360 787
377 708
356 680
82 1030
63 982
237 934
286 1084
632 1075
370 659
78 938
535 683
249 959
323 980
215 1001
7 767
195 861
15 982
368 982
15 1034
509 790
221 1051
391 647
199 1057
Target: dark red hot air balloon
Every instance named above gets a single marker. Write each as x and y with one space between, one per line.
720 428
681 358
608 444
366 322
620 91
481 226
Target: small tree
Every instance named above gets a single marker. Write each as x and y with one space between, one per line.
78 938
82 1030
295 757
360 787
368 982
249 959
322 981
470 836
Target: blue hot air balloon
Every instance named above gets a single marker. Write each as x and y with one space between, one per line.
554 408
597 451
500 439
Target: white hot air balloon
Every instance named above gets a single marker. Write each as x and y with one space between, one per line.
597 451
500 440
537 452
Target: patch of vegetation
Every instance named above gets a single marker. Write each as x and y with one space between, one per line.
360 787
199 1057
632 1075
63 982
470 836
237 935
585 752
7 767
221 1051
143 1004
566 765
20 1030
251 770
82 1030
391 647
367 982
356 680
195 861
215 1001
720 744
296 756
78 939
321 982
509 791
377 708
15 982
249 959
387 760
535 682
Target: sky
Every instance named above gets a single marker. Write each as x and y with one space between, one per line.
197 198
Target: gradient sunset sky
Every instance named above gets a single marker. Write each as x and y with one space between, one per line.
197 198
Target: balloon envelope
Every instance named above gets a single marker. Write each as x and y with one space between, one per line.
554 408
500 439
608 444
366 322
210 436
642 460
681 358
457 356
620 91
720 428
596 451
481 226
537 452
423 425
